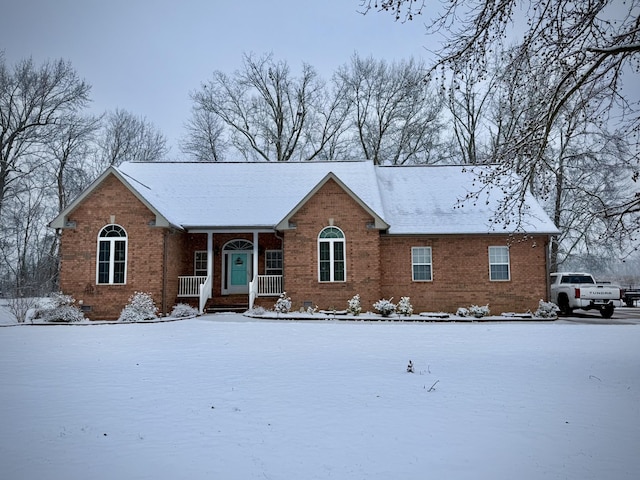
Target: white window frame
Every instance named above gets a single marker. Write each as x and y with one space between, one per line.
332 241
497 259
111 241
196 261
414 263
268 270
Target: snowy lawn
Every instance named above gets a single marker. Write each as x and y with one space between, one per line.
226 397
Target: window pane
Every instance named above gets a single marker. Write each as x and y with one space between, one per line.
273 262
120 251
338 251
331 232
338 274
421 254
499 272
422 272
324 251
118 272
498 255
103 272
104 251
325 271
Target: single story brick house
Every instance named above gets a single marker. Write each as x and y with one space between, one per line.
223 235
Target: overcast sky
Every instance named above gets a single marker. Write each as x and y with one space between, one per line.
146 56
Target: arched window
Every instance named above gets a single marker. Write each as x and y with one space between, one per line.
331 256
112 255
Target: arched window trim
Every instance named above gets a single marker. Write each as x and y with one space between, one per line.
111 256
332 261
238 244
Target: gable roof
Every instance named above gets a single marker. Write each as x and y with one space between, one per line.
61 220
402 199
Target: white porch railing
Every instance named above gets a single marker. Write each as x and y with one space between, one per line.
269 285
190 286
264 286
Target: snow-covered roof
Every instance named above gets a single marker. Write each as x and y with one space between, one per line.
237 195
431 200
406 199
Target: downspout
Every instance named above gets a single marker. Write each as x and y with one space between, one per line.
548 266
165 256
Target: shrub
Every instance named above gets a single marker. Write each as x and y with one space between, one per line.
59 308
353 305
22 307
462 312
257 311
404 306
385 307
283 305
140 308
479 311
546 310
182 310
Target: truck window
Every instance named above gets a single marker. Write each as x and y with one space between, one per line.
577 279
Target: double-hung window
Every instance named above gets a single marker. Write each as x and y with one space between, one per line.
112 255
331 255
421 264
200 263
499 264
273 262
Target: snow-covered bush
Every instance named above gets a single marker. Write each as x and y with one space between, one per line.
353 305
479 311
257 311
140 308
311 310
546 310
385 307
462 312
182 310
404 306
59 308
283 305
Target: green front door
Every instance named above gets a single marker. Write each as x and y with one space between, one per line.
238 265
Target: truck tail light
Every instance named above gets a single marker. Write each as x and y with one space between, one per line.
577 293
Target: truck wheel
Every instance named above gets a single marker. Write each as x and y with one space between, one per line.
606 311
563 304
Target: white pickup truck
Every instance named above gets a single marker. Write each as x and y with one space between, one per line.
580 291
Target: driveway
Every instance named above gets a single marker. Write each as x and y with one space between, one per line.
621 316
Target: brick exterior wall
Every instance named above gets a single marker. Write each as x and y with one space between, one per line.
112 202
377 265
460 272
331 205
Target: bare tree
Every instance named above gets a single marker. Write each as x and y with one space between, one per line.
582 44
205 139
71 143
126 137
272 116
395 119
32 100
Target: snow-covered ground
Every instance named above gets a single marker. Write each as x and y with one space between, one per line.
227 397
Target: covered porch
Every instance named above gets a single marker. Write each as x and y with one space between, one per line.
231 267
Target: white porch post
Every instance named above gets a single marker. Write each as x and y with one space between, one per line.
210 254
255 255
